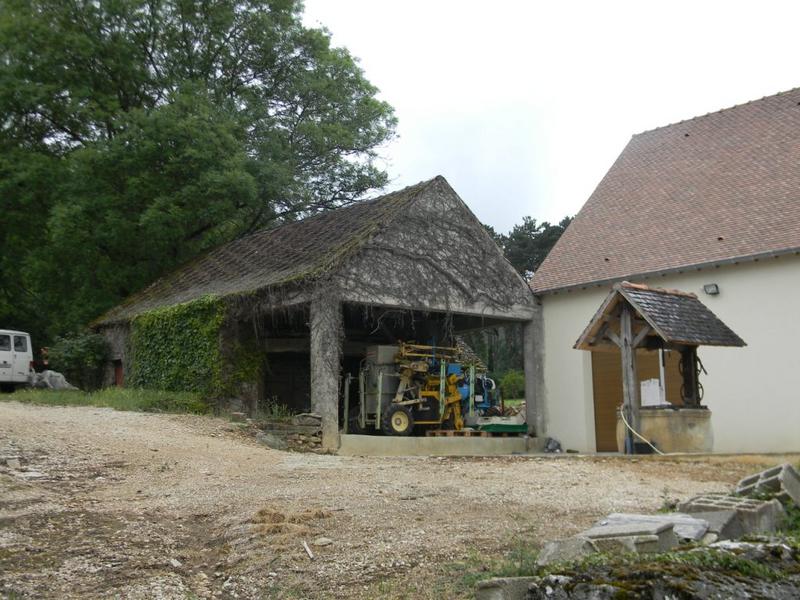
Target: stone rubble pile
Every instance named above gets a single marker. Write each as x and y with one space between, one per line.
50 380
713 520
302 434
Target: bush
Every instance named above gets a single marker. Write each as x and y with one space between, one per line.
512 384
81 357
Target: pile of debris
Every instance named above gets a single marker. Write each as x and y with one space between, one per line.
302 433
709 523
50 380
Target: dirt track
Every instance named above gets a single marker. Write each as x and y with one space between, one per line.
116 504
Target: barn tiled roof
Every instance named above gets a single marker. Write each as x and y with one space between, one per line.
272 257
676 317
709 190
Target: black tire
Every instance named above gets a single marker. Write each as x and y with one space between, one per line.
397 420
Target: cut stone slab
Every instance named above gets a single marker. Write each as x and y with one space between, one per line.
639 537
685 526
567 550
504 588
752 516
721 523
307 419
639 544
783 481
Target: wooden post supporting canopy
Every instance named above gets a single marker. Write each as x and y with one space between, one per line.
630 381
691 387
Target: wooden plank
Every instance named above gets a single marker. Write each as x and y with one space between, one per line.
641 335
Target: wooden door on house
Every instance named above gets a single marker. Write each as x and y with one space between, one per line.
607 386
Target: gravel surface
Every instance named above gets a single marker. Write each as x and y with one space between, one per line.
120 504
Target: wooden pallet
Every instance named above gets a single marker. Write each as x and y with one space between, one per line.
461 433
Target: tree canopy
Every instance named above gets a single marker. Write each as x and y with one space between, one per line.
139 133
528 243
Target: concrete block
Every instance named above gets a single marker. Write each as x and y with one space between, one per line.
567 550
638 544
685 526
504 588
753 516
782 481
639 537
722 524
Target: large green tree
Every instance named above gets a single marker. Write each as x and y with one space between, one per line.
528 243
137 133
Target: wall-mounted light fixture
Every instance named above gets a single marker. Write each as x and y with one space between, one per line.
712 289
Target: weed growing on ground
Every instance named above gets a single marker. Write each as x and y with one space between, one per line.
273 410
133 399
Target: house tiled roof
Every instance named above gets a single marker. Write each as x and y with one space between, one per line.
676 317
272 257
712 189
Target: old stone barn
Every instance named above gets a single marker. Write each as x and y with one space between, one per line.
286 312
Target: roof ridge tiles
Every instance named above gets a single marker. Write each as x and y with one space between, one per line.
715 112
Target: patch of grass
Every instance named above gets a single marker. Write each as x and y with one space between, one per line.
519 561
514 402
273 410
135 399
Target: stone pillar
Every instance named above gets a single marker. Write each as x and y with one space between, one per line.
533 355
326 355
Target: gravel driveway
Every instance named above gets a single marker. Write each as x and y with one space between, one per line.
122 504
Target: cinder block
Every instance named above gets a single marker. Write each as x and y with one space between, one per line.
752 515
782 481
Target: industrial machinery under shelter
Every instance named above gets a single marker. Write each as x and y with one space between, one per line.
409 389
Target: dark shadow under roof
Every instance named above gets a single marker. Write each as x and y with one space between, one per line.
272 257
676 317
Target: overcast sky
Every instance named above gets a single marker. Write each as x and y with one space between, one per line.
523 106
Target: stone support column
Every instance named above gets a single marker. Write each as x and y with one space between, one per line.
533 355
326 356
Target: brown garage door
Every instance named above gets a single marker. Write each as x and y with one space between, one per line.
607 385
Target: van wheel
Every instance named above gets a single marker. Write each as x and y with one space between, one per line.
7 388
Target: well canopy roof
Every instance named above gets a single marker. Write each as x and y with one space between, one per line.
676 317
709 190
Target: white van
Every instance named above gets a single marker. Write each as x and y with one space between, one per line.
16 359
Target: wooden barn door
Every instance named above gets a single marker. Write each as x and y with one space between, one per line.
607 385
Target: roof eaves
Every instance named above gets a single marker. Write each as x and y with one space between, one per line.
657 273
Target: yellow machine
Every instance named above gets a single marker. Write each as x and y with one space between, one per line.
410 386
418 400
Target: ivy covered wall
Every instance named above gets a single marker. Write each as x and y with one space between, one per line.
178 348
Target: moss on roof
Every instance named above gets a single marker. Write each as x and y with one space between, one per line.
291 253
